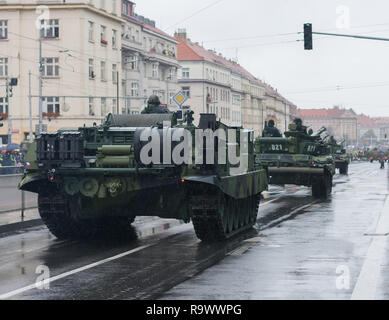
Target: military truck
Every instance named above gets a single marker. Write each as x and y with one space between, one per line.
342 160
301 158
94 181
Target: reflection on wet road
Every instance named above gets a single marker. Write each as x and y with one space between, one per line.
298 250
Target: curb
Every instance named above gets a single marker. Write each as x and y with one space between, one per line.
13 227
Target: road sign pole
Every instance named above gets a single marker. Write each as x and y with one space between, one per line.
9 112
40 84
30 103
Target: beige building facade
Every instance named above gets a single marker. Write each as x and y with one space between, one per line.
214 84
340 123
149 60
277 108
81 59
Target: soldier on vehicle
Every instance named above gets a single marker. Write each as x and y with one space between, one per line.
299 125
332 141
154 106
271 131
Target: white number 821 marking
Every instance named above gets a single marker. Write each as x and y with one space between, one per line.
311 148
276 147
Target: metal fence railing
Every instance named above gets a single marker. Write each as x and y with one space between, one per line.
11 198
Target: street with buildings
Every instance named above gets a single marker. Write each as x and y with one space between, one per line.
300 248
97 60
81 82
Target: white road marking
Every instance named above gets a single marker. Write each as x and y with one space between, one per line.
69 273
289 215
270 201
366 286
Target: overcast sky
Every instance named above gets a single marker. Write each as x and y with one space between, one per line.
339 71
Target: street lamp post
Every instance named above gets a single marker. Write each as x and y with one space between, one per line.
40 84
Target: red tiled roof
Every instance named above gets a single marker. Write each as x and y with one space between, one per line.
381 120
314 113
156 30
335 112
189 51
366 121
146 26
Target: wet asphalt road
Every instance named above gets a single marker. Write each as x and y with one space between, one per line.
300 248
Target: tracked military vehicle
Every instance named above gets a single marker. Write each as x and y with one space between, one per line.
301 158
94 181
340 156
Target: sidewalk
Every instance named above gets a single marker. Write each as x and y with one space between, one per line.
13 221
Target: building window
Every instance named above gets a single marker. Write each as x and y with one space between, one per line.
172 74
124 8
171 95
156 93
186 91
50 67
154 70
50 28
103 106
4 105
133 62
114 73
90 30
91 107
52 104
185 73
114 39
102 70
102 35
91 69
134 89
236 99
3 29
3 67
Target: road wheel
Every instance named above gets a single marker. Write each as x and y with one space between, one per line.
55 213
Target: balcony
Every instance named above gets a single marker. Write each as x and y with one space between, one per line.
163 56
131 44
51 115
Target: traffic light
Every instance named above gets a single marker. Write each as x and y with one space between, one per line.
1 119
308 41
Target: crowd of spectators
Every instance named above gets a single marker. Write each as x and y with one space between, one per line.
11 159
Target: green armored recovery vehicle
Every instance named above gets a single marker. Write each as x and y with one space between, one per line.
95 180
342 160
301 158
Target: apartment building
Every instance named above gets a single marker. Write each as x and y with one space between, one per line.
81 62
149 61
217 85
341 123
278 108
